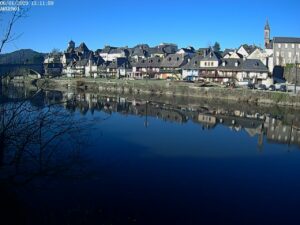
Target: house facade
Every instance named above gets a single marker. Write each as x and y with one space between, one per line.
286 50
149 68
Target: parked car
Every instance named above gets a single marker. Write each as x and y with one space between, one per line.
191 79
250 86
277 86
272 88
262 87
283 88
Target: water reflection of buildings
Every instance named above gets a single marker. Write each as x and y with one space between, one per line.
283 129
275 129
279 132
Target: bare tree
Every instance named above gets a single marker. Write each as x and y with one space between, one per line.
38 140
9 23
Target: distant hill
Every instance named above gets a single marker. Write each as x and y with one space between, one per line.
23 56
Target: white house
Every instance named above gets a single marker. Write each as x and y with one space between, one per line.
265 56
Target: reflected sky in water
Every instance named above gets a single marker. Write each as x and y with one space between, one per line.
158 163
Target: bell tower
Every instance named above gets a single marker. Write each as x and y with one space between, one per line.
267 34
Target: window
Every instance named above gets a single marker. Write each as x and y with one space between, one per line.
298 45
205 63
290 55
277 54
286 45
293 45
279 45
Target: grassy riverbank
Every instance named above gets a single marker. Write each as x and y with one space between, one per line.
174 88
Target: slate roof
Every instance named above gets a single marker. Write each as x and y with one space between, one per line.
248 65
212 56
82 48
249 48
107 49
187 50
116 51
226 51
174 61
194 63
142 46
286 40
156 50
118 63
153 62
98 60
82 62
139 52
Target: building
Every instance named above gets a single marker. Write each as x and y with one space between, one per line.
267 36
111 53
209 65
245 50
192 68
265 56
171 66
286 50
243 71
149 67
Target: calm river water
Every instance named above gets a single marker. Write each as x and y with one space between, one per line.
156 160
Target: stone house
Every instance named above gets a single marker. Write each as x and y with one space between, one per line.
286 50
171 66
149 67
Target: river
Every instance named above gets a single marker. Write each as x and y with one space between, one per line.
149 160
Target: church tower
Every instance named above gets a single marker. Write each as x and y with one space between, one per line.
267 34
71 46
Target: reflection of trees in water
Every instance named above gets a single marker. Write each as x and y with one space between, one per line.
38 140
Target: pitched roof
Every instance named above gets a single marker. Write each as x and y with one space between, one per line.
153 62
249 48
267 26
139 52
194 63
253 65
174 61
212 56
118 63
286 40
82 48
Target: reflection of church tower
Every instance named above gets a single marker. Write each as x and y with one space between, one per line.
267 34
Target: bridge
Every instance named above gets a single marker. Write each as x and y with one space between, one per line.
6 69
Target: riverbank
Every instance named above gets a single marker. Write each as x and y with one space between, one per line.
173 88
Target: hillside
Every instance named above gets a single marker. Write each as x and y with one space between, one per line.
23 56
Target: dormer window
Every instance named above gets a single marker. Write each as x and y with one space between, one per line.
236 64
169 59
224 63
177 58
196 62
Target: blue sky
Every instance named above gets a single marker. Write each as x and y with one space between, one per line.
130 22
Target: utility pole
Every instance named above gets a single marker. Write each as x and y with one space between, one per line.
296 68
296 74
